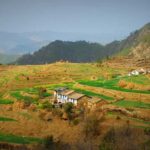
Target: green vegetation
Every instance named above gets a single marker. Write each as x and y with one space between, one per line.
68 109
89 93
124 52
6 101
46 105
26 99
54 86
110 84
127 103
18 139
78 51
6 119
140 79
30 90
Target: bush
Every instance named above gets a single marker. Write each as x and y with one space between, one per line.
147 131
68 108
122 83
46 105
41 92
130 86
76 121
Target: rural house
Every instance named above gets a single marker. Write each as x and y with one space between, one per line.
95 102
138 72
64 95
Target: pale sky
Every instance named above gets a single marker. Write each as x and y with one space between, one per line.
115 18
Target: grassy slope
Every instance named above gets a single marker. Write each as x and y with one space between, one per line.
127 103
113 84
51 76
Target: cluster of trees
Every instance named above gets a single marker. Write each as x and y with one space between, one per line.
80 51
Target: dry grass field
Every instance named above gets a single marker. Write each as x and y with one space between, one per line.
22 111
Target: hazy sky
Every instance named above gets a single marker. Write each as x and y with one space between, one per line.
116 18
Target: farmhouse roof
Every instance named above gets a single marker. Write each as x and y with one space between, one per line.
75 95
70 93
60 89
67 92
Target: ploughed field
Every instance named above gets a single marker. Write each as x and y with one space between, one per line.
21 107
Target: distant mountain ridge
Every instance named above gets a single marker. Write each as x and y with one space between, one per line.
29 42
137 45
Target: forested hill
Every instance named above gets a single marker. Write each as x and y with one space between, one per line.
137 45
79 51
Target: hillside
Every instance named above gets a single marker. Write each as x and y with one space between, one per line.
136 45
79 51
27 118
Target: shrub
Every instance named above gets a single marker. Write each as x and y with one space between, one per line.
147 131
130 85
41 92
46 105
68 108
122 83
76 121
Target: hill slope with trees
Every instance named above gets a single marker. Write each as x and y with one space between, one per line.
137 45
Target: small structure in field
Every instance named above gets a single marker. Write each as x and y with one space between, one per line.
138 72
64 95
133 73
95 102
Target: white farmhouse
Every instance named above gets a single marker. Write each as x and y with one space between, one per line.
64 95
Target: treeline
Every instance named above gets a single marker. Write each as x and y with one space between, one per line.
80 51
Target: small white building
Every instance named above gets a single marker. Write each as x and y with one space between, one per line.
138 72
134 72
64 95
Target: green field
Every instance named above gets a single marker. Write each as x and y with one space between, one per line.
18 139
5 101
141 79
6 119
111 84
89 93
127 103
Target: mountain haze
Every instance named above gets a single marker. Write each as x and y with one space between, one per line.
137 45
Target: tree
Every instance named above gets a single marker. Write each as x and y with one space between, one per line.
91 125
41 92
68 108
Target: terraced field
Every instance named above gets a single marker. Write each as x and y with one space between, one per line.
20 102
